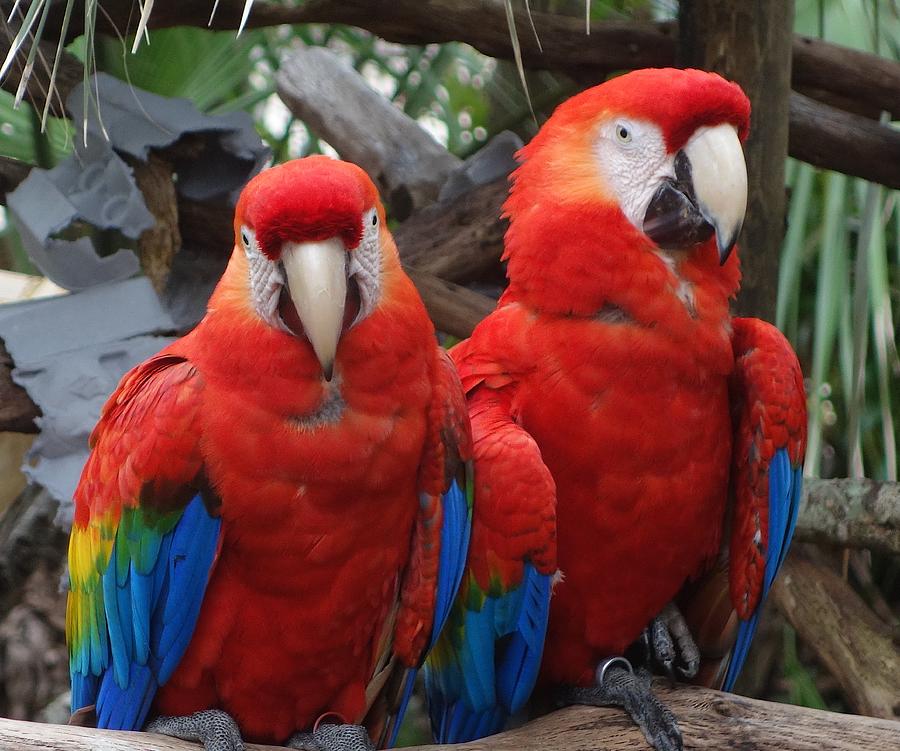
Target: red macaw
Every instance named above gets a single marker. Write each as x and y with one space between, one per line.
272 523
614 402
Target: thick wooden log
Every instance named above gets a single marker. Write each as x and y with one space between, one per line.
854 644
709 720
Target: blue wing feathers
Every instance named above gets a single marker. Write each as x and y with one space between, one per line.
519 665
84 689
491 669
455 532
150 611
785 484
191 555
456 528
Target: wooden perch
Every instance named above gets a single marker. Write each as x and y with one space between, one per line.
708 719
858 76
854 644
335 101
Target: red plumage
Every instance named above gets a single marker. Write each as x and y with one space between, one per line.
324 586
616 359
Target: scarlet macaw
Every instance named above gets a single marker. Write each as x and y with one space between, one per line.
614 401
272 523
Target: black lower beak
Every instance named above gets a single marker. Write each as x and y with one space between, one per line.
673 219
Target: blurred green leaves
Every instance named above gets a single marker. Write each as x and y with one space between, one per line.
838 284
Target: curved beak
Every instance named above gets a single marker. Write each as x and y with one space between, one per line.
317 284
707 196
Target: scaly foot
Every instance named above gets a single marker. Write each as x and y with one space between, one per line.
215 729
669 645
619 685
333 738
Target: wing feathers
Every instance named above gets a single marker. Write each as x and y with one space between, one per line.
770 442
142 546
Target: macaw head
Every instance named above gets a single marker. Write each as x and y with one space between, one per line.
652 157
314 238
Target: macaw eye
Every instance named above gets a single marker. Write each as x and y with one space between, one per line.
245 238
623 135
374 218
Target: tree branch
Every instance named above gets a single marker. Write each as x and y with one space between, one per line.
833 139
849 639
335 101
459 240
17 411
709 720
454 309
859 76
871 81
28 537
851 513
611 45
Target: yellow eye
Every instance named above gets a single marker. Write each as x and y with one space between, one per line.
623 134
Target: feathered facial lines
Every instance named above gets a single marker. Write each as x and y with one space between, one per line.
316 288
633 159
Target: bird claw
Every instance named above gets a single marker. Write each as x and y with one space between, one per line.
333 738
618 684
215 729
668 644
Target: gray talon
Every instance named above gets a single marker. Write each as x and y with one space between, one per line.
333 738
623 687
669 644
215 729
662 645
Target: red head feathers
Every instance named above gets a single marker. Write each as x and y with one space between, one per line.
647 163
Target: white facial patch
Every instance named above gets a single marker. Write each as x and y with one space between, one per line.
633 159
266 281
267 277
365 265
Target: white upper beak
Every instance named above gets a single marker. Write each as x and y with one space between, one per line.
317 282
719 176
